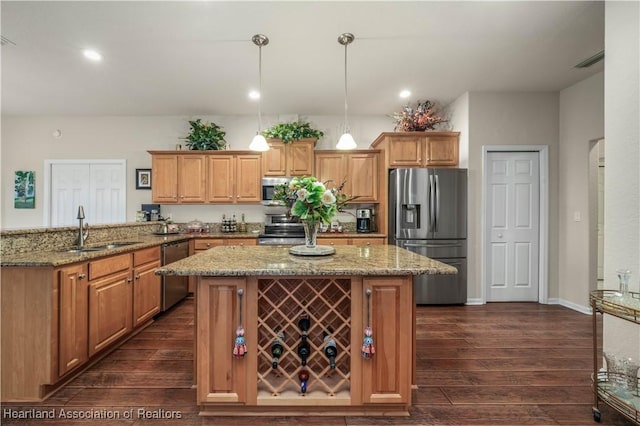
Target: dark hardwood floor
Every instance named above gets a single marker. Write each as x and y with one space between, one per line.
497 364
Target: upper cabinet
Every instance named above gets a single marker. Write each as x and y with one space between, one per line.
291 159
205 177
234 178
419 149
359 170
178 178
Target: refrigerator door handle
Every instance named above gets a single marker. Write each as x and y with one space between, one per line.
431 245
437 213
432 215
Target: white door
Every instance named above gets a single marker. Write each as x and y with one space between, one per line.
98 185
512 188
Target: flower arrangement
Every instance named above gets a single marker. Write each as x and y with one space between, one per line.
422 117
310 200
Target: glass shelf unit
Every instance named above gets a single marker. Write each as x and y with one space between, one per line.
625 402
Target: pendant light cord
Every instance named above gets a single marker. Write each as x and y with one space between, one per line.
260 89
346 125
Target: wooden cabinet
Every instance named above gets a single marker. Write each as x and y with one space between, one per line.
234 178
73 335
221 377
292 159
386 377
110 301
178 178
358 169
419 149
146 285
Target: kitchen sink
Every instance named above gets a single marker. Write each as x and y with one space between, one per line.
102 247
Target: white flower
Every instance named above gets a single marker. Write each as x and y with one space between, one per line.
302 194
319 184
328 198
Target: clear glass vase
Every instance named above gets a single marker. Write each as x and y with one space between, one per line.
624 276
310 233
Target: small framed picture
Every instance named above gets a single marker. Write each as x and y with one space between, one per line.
143 178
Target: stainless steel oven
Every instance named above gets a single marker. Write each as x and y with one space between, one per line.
281 229
269 186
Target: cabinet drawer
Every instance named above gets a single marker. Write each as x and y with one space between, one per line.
110 265
367 241
206 244
147 255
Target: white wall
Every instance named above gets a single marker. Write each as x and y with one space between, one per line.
28 141
458 115
622 174
522 118
581 122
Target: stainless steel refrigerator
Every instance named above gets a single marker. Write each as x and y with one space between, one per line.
428 215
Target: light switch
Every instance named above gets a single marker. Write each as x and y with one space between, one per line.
577 217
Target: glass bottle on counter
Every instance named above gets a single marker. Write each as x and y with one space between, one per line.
243 225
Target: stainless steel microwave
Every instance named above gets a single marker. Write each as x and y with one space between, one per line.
269 186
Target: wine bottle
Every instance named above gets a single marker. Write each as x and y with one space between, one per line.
304 349
277 348
330 349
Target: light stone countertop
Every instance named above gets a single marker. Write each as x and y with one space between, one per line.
228 261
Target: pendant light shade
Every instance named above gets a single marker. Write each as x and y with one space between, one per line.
259 143
346 140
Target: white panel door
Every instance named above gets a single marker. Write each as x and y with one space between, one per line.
107 198
513 222
69 189
98 185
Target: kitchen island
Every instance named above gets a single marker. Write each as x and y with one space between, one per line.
303 323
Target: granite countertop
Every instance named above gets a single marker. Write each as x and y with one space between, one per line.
269 260
61 257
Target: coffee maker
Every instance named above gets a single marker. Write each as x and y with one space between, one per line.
363 220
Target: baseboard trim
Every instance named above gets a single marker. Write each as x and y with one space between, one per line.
574 306
474 302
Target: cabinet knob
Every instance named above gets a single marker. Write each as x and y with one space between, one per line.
368 243
129 280
208 244
138 277
82 276
230 197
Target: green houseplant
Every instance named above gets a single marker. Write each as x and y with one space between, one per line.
205 136
289 132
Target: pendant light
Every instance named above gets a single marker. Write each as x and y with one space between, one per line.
346 140
259 143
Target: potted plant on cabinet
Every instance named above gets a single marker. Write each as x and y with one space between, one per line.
205 136
290 132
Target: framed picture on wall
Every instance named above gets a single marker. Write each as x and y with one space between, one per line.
143 178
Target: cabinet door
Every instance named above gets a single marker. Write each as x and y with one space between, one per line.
73 336
109 310
274 161
221 377
164 178
248 179
362 176
221 175
192 177
146 293
386 377
331 168
406 150
442 150
300 157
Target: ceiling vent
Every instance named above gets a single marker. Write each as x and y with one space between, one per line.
592 60
4 41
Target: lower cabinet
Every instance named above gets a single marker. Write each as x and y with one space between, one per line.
74 315
110 305
353 241
146 285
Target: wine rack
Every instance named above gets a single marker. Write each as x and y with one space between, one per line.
327 304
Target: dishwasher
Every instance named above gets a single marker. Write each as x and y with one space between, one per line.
174 288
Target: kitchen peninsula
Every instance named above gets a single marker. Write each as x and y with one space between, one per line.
303 322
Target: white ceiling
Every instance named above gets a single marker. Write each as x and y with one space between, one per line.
191 58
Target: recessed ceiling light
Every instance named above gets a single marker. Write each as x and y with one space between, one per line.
92 55
254 94
405 93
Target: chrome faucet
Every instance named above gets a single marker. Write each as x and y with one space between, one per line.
83 228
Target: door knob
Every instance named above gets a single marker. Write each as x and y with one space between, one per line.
499 235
